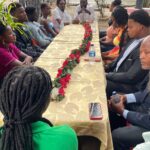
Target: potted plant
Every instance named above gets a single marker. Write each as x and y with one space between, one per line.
7 19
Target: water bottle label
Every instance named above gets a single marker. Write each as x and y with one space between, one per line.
91 53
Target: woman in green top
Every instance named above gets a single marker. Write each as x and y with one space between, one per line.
24 97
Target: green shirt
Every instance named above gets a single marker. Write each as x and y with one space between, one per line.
53 138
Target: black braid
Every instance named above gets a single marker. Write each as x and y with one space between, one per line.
24 94
123 39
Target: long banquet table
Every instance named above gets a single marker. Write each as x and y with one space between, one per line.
87 85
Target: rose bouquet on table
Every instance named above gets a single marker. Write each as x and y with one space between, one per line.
64 73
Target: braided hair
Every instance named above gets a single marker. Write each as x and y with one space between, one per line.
24 96
120 16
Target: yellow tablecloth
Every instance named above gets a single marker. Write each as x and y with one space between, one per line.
87 85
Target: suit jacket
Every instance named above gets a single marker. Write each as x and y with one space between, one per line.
130 71
139 113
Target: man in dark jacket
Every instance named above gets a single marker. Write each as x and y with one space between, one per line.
125 73
24 39
135 108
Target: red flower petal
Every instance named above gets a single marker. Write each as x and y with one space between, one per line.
59 72
63 82
61 91
65 63
72 56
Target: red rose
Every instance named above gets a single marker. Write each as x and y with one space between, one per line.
88 46
61 91
78 54
78 60
87 35
63 82
90 31
59 72
67 78
72 56
86 25
65 63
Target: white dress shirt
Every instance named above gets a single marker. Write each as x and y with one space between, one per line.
63 16
84 17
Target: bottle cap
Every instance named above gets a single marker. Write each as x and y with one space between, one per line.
114 93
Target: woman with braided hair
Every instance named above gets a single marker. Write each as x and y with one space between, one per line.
120 19
10 55
24 96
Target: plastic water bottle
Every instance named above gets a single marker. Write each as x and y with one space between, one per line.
116 97
92 54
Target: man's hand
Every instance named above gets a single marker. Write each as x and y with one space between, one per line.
103 38
79 12
117 107
76 21
121 97
67 23
84 10
87 11
106 41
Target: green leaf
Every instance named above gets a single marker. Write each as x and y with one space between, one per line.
7 19
60 97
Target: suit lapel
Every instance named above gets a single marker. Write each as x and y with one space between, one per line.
132 51
122 52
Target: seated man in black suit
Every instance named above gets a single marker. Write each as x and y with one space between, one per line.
125 74
135 108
